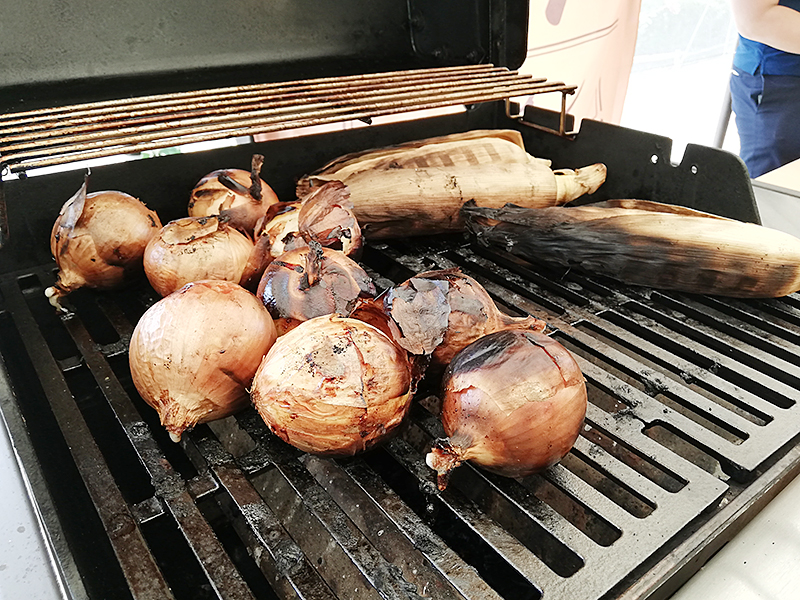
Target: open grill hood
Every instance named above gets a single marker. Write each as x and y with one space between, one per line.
693 420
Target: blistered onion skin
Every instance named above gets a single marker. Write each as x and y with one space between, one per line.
98 241
311 282
193 354
195 248
513 402
333 386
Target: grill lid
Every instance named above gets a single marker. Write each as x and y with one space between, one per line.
56 53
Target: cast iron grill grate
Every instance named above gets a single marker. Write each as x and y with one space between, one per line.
693 406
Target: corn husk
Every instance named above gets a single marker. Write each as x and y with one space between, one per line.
650 244
418 188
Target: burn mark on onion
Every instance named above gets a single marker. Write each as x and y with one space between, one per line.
483 352
232 184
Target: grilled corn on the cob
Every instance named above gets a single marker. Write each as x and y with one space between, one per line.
650 244
418 188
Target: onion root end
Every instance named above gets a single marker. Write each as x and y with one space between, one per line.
443 458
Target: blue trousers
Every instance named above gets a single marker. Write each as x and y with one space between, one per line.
767 109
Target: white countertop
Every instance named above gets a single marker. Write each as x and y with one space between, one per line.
762 562
26 570
778 199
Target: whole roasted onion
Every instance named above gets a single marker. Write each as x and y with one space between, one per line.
312 282
98 241
441 312
242 196
194 248
333 386
324 216
513 402
193 354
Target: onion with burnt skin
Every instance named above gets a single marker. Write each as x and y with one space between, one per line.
312 282
326 215
242 196
98 241
194 248
193 354
513 402
438 313
333 386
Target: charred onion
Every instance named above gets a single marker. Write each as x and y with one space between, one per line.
513 402
312 282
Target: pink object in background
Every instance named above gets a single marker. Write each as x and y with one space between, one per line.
585 43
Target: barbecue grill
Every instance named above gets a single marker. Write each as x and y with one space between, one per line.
693 413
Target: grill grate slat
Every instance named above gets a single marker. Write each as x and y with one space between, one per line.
327 515
287 568
498 539
441 556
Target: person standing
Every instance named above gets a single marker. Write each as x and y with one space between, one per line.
765 83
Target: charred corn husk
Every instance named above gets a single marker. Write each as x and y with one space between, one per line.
650 244
418 188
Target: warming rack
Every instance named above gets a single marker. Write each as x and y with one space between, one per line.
67 134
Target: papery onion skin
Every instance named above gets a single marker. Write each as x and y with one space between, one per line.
312 282
513 402
195 248
326 215
333 386
193 354
282 222
441 312
98 241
